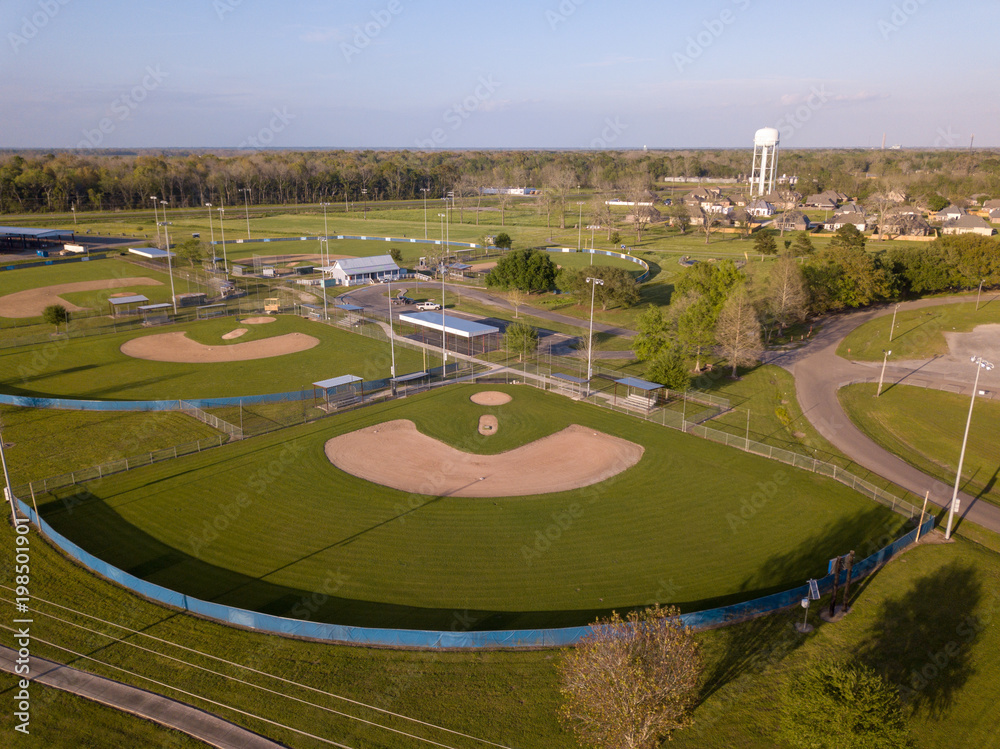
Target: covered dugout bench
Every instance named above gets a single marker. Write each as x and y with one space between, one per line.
460 335
640 395
338 392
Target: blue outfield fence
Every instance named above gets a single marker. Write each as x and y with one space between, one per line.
440 640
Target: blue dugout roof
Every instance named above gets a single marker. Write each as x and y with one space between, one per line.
452 325
135 299
634 382
336 381
571 378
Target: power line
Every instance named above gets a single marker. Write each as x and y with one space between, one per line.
184 692
264 673
240 681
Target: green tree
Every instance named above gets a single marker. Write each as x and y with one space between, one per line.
528 270
503 241
764 243
192 250
848 237
521 338
680 216
802 244
669 367
713 281
844 275
396 254
936 203
55 314
619 288
655 334
832 704
738 330
695 318
632 682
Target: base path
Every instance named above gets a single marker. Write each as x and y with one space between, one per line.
177 347
32 302
819 373
569 459
197 723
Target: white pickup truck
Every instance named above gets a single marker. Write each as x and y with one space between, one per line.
428 306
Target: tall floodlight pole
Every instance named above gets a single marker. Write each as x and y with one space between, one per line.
392 343
444 353
979 293
424 191
211 230
579 227
246 206
222 227
73 208
364 196
981 364
892 328
594 282
881 377
7 487
170 265
156 219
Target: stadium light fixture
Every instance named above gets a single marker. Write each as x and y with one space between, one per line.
981 364
881 377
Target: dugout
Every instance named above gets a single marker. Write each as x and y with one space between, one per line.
338 392
569 385
404 383
466 336
126 306
352 314
641 395
192 299
155 314
208 311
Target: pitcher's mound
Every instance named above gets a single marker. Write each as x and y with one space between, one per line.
488 424
490 398
396 455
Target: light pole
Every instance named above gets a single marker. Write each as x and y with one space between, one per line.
424 191
246 206
222 227
595 282
73 208
892 329
364 197
156 220
444 353
885 358
579 227
981 364
392 343
978 294
170 265
211 230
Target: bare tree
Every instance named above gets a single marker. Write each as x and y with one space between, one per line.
880 204
786 296
516 298
559 180
680 216
711 218
632 681
738 330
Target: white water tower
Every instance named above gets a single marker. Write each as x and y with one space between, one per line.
765 161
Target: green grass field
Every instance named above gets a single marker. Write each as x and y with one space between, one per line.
919 332
412 561
49 442
925 427
95 368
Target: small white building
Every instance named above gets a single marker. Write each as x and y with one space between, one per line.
856 220
761 208
355 271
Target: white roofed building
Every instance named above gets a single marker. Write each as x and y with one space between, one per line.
354 271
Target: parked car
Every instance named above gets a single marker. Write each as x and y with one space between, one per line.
428 306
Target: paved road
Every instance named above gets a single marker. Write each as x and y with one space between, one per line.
192 721
819 373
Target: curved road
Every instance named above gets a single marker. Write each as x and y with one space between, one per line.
819 373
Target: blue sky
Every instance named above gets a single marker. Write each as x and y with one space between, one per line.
512 74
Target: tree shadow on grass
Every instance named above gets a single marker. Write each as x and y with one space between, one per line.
753 646
922 639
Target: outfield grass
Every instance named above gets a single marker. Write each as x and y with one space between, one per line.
919 332
95 368
49 442
412 560
925 428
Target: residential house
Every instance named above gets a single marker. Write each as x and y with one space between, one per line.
951 213
791 221
906 221
856 220
968 224
761 208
